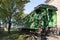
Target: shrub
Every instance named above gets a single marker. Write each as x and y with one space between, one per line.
21 37
14 36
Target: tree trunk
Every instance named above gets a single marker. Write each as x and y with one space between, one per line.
43 34
9 27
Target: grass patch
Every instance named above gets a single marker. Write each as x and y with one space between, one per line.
12 35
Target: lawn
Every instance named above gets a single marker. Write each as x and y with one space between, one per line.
14 35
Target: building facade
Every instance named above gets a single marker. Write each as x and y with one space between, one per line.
55 3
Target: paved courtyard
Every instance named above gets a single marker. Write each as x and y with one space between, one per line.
54 38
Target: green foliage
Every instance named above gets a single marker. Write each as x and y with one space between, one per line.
6 36
31 20
14 36
21 37
48 15
44 16
11 9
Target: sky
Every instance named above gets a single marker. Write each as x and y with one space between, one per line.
29 7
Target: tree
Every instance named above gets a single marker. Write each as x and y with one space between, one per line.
9 9
48 13
31 20
43 16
